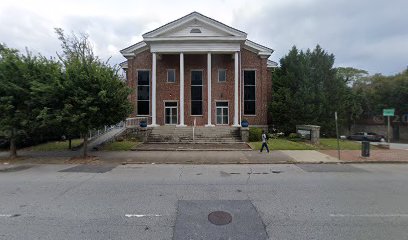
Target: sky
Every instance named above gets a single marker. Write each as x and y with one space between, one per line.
370 35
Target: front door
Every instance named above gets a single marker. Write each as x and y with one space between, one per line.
222 113
170 113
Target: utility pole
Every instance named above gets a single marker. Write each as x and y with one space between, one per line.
337 133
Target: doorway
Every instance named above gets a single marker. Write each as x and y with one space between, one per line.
170 113
222 113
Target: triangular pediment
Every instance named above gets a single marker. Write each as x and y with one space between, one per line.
195 25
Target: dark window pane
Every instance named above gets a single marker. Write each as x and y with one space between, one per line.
196 93
249 77
249 93
143 77
219 110
225 119
221 104
143 92
196 107
170 104
225 111
249 107
196 78
143 107
171 75
222 75
219 119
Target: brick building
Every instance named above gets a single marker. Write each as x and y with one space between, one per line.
198 69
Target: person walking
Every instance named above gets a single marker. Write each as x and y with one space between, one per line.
264 142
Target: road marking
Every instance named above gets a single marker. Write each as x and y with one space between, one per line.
368 215
5 215
142 215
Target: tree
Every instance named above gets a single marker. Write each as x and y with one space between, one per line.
353 99
306 90
14 97
95 95
350 75
19 108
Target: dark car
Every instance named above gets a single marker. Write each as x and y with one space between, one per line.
366 136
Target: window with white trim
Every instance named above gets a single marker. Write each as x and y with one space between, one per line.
222 75
143 92
196 92
249 92
171 75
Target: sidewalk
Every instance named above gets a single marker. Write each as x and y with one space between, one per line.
206 157
391 156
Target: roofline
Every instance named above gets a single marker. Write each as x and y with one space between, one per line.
271 64
130 48
258 46
190 14
123 65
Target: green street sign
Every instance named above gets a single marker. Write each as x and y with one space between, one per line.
388 112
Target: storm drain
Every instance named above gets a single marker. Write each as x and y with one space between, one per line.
86 168
329 168
15 169
218 219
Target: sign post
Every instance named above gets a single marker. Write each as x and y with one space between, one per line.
337 133
388 112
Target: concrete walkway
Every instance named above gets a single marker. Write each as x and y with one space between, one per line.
310 156
193 147
206 157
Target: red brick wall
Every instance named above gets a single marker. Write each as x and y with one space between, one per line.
251 61
220 91
141 61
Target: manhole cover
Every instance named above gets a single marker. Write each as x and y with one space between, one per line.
219 218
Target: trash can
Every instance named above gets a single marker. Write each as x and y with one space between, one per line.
365 148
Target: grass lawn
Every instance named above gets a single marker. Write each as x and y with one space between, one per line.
56 146
325 144
125 145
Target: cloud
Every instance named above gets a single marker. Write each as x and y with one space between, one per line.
365 34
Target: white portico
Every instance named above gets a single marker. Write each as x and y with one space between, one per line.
196 34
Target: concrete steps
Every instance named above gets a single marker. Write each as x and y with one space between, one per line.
172 134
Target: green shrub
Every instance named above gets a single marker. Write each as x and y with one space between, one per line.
293 135
255 134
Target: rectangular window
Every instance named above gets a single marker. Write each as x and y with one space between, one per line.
222 75
171 75
143 92
249 92
196 93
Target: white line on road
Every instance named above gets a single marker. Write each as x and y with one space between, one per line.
5 215
368 215
142 215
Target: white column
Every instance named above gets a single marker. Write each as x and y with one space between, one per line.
236 123
181 91
154 90
209 97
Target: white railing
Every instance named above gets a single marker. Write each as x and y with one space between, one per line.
135 121
98 132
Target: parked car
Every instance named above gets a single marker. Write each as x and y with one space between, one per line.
366 136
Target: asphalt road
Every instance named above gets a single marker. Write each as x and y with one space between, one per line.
174 201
